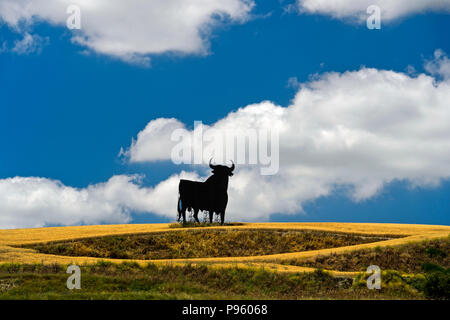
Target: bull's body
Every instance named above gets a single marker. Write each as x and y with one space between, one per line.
210 195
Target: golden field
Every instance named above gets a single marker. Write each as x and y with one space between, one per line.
16 237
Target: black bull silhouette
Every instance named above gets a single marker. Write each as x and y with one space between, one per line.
210 195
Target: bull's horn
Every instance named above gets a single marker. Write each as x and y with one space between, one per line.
233 166
211 165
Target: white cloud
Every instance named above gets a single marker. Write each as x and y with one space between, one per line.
133 29
359 130
29 44
37 202
356 9
153 143
439 66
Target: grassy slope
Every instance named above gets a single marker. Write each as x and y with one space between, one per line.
133 281
10 238
225 278
407 258
202 243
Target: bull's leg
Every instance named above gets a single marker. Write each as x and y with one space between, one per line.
179 206
183 212
211 216
222 217
196 215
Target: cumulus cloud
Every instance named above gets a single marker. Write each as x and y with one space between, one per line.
154 142
37 202
131 30
355 10
357 130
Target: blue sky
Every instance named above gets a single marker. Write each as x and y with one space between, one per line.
65 113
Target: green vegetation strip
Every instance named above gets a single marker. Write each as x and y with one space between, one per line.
408 258
202 243
106 280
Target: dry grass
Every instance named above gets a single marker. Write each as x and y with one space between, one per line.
17 237
202 243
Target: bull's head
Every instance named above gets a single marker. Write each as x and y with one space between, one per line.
222 170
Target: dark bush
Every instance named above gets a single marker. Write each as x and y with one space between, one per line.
431 267
437 285
435 252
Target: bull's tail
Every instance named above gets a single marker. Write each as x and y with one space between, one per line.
179 208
